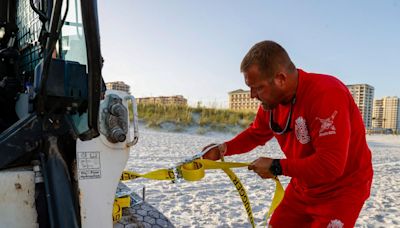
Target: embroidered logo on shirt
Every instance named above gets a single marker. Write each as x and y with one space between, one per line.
336 223
301 130
327 127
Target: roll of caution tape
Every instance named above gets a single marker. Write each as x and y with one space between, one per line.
193 171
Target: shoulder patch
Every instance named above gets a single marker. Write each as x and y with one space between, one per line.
327 125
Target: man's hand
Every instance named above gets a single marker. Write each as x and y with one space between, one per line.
262 166
215 153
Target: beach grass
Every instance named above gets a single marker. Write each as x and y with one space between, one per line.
155 115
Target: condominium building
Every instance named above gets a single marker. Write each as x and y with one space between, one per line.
241 100
118 85
163 100
363 95
391 113
377 114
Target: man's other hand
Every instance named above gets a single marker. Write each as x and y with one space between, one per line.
262 166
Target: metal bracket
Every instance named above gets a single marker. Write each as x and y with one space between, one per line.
135 121
176 169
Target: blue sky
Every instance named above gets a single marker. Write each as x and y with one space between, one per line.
194 48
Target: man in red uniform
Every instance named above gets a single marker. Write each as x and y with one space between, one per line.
319 129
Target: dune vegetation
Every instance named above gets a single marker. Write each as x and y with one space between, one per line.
180 118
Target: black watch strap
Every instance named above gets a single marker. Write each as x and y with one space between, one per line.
276 168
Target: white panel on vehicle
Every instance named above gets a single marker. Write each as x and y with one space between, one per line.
99 167
17 198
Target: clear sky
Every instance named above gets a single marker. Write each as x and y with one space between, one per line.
194 48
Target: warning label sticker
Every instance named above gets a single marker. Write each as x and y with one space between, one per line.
89 165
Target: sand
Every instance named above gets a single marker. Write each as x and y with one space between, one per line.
214 202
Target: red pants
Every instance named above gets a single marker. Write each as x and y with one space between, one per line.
295 211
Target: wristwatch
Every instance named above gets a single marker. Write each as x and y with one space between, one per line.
276 168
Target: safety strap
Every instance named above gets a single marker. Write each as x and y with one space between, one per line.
242 193
119 203
278 196
195 171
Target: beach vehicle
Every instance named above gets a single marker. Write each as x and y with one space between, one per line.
64 138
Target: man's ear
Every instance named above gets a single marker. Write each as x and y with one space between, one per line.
280 79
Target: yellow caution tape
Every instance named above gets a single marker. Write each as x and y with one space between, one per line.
278 196
117 212
242 193
195 170
120 203
159 174
124 201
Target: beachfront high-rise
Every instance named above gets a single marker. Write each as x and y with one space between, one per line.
377 114
391 113
118 85
363 95
241 100
163 100
387 113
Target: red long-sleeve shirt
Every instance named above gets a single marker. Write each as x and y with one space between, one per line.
325 149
